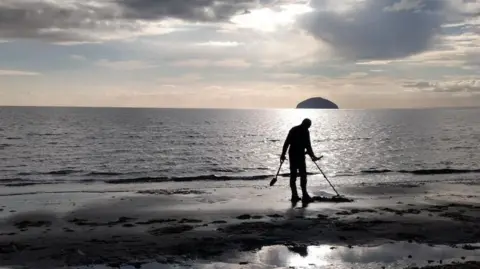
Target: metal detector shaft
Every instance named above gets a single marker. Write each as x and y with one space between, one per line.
274 180
326 178
280 167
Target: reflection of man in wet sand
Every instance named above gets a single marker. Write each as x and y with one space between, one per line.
298 140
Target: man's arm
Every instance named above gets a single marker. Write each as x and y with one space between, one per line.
286 144
309 147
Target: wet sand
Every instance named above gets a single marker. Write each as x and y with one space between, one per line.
231 223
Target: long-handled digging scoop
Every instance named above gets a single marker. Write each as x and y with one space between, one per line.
274 180
338 195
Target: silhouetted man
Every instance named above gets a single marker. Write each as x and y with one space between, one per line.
298 140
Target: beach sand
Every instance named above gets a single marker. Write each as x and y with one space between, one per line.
239 224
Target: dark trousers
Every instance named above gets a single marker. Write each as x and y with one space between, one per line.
298 167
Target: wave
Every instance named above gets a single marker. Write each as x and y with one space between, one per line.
68 172
441 171
185 179
227 170
342 139
21 184
53 173
145 179
60 192
46 134
121 178
104 174
288 174
10 180
4 145
381 171
63 172
194 178
238 170
24 174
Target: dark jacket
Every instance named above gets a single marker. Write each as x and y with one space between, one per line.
298 140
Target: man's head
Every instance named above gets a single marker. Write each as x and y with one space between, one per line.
306 123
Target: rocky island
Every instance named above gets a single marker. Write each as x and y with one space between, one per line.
317 103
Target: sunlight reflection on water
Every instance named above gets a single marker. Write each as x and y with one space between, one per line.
395 255
389 255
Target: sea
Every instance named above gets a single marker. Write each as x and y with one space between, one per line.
58 145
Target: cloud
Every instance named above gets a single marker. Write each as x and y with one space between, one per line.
190 10
374 62
171 86
195 63
232 63
125 65
51 19
202 63
184 79
405 5
418 85
357 75
286 76
265 51
380 30
78 57
220 44
17 73
89 21
454 86
460 51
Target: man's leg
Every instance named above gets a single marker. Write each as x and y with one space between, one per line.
303 179
293 179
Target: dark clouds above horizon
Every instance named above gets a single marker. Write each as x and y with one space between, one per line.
379 29
387 29
189 10
59 21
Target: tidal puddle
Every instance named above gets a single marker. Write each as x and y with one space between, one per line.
395 255
398 255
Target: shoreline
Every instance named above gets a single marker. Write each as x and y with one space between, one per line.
170 224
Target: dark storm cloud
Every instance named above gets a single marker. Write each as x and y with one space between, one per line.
195 10
191 10
385 29
51 20
60 21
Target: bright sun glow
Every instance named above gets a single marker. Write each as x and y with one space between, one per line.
281 256
269 20
317 256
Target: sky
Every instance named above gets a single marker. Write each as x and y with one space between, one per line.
240 53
